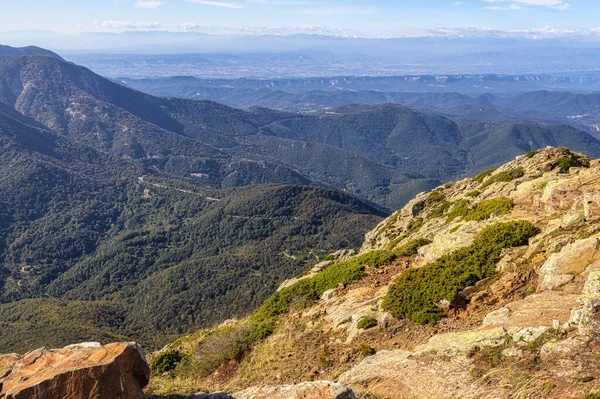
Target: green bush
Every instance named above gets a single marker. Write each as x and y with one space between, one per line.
411 247
165 362
414 294
435 197
440 209
473 194
330 257
427 316
485 209
367 322
481 211
571 160
459 209
505 176
479 178
305 292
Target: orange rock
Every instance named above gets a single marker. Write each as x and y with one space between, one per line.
88 370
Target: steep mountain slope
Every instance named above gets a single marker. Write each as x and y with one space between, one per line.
487 287
98 233
381 153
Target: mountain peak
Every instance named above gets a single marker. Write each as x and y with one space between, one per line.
27 51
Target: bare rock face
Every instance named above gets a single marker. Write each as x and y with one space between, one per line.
573 259
399 374
305 390
88 370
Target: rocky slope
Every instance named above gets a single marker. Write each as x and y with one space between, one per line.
516 318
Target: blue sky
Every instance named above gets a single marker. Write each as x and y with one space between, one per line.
352 17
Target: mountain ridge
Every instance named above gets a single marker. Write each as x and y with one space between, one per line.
506 264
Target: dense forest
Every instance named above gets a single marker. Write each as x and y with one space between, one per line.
142 254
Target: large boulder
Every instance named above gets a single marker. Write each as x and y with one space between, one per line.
88 370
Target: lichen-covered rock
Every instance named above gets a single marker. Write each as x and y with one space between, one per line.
540 310
345 312
305 390
460 342
587 318
399 374
90 370
572 260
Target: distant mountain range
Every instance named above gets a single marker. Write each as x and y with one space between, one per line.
428 93
150 216
382 153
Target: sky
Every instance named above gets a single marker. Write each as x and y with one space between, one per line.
364 18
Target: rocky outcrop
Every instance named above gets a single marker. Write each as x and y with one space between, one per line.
400 374
306 390
88 370
573 259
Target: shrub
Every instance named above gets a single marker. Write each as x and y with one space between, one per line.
460 209
571 160
223 345
506 176
474 194
415 225
485 209
440 209
435 197
305 292
367 322
481 211
411 247
415 293
330 257
165 362
532 154
479 178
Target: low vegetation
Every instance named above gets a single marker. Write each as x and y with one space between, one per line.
503 177
411 247
571 160
366 323
166 361
417 291
481 211
479 178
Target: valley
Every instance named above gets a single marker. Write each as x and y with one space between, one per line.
307 239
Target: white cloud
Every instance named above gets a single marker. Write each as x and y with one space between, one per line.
511 7
223 4
335 11
518 4
149 3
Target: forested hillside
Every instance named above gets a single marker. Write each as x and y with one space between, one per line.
139 254
142 217
381 153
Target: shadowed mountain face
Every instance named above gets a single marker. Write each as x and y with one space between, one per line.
382 153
